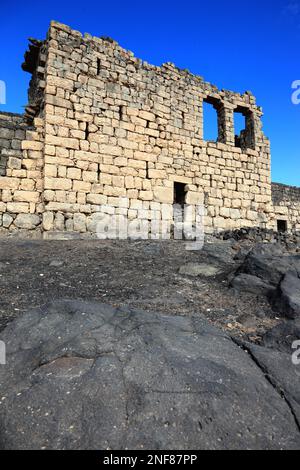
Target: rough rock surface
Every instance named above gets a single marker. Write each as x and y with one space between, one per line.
282 336
253 284
287 300
89 376
282 374
201 269
137 274
269 263
27 221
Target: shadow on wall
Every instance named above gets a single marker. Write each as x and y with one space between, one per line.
3 164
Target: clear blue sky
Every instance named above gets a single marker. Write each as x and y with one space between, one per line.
238 45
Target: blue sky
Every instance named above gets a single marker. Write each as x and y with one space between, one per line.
238 45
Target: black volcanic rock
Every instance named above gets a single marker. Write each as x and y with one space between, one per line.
84 375
287 299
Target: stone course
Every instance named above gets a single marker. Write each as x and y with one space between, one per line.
286 203
106 134
21 175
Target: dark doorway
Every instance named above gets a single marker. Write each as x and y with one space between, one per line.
282 226
179 193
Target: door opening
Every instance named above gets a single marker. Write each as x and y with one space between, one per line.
282 226
179 193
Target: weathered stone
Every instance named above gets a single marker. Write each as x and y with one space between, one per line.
163 194
79 222
282 336
199 269
252 284
74 363
48 220
287 300
269 263
27 221
56 264
7 220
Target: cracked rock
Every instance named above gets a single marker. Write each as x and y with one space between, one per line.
252 284
84 375
283 335
287 299
269 263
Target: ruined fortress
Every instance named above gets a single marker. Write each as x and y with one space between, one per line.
106 133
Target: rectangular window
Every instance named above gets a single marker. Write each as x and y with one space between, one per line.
210 122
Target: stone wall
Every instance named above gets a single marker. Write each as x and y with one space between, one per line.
286 204
21 163
119 127
12 132
106 135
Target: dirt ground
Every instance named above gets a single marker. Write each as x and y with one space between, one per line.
143 274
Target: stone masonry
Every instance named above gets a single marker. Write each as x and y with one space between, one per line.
286 204
106 134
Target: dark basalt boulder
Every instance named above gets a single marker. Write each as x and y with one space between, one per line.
252 284
85 375
287 298
269 263
282 336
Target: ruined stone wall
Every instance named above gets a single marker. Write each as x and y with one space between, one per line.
119 127
21 163
105 134
286 203
12 132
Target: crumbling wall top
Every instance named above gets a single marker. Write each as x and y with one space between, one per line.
284 193
111 48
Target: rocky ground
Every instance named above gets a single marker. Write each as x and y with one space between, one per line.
194 346
160 276
85 375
